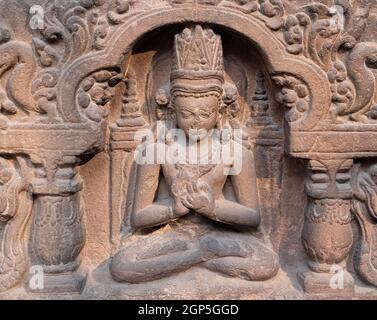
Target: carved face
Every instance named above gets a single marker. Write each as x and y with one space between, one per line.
196 114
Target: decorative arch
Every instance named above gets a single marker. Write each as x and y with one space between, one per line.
276 58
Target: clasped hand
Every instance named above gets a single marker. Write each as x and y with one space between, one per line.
193 195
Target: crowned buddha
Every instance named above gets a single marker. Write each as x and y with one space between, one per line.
181 216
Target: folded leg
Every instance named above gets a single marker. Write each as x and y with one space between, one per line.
240 256
154 257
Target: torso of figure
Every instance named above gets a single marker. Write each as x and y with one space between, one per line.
212 175
208 166
195 185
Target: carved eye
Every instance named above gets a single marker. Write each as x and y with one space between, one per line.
205 115
186 114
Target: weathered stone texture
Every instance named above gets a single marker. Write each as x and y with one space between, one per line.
291 86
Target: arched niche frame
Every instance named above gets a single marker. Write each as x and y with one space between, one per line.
277 60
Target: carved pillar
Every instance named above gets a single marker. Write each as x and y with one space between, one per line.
58 234
327 235
121 159
122 145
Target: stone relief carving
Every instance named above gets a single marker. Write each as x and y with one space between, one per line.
14 218
327 234
364 210
95 93
294 95
298 78
194 192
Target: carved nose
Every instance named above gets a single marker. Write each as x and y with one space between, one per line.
196 121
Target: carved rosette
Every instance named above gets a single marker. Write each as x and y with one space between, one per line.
56 92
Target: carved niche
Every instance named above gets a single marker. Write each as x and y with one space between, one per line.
92 88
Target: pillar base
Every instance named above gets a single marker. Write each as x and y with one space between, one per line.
71 282
339 284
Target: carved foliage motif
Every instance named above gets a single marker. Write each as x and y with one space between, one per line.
328 36
58 235
324 38
71 30
294 95
364 208
95 92
327 233
320 32
76 28
332 212
17 59
15 212
333 216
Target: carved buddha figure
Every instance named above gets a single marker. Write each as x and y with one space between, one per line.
180 216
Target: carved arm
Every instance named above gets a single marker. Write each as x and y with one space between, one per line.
147 212
245 212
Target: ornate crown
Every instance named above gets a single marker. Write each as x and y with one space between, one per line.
198 61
